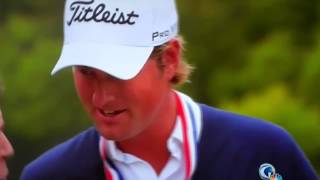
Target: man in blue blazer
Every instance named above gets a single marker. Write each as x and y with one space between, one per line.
126 59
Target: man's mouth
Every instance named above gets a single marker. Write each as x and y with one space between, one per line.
109 113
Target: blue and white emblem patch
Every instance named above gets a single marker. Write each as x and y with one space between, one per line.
268 172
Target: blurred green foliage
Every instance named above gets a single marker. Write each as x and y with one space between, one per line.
259 58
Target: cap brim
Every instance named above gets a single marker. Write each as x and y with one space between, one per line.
123 62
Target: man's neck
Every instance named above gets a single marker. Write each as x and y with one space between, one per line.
151 145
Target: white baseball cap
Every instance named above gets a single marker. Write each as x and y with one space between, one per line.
115 36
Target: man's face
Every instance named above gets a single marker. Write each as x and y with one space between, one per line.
6 151
123 109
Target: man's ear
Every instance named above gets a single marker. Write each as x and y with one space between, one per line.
171 58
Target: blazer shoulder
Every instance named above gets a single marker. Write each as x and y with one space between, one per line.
75 155
252 141
240 128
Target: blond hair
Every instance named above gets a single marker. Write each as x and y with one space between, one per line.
184 69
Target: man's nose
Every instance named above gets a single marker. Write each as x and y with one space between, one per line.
105 91
6 149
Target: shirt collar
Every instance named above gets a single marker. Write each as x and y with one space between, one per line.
174 145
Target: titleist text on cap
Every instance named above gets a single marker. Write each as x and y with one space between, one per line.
84 11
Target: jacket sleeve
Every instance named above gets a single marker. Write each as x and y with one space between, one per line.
299 167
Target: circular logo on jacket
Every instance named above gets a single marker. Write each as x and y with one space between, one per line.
266 171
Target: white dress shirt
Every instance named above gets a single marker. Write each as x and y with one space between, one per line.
135 168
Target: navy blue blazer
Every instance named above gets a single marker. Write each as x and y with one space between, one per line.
231 147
